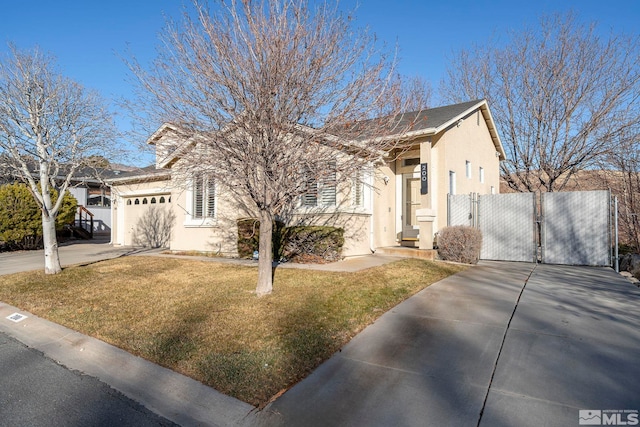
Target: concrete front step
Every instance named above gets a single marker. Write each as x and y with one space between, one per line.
406 252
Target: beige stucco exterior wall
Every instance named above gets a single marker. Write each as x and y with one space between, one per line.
449 150
468 141
218 235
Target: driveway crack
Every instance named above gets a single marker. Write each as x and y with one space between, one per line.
504 338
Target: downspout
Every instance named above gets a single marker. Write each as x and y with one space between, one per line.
372 247
114 217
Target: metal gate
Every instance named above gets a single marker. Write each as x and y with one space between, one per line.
563 228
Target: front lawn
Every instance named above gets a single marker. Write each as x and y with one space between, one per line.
202 319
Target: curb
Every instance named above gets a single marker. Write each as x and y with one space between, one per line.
171 395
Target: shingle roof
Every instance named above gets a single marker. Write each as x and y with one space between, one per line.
148 173
432 118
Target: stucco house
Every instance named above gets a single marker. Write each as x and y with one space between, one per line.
454 149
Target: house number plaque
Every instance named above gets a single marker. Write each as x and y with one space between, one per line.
424 183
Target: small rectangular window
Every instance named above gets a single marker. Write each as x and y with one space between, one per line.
327 186
481 172
411 162
468 168
310 197
452 182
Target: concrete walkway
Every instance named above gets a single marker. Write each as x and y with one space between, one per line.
499 344
88 251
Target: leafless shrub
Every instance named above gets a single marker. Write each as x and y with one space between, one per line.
460 243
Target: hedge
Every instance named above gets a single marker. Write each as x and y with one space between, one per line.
296 243
249 238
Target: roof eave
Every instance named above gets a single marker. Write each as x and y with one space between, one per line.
486 113
150 177
158 133
483 106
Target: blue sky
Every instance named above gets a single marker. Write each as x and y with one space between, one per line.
87 36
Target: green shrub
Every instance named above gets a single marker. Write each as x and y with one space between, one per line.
21 219
299 243
313 243
249 237
460 243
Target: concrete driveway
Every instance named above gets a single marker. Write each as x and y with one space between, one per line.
501 344
73 252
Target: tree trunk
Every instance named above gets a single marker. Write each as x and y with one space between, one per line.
265 260
51 257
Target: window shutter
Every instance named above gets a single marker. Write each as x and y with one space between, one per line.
198 197
358 190
211 198
204 197
310 197
328 186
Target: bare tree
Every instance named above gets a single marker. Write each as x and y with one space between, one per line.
621 173
560 95
269 96
49 126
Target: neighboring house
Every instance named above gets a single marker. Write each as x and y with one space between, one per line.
89 188
452 149
92 194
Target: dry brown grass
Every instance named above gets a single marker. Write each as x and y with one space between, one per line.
203 320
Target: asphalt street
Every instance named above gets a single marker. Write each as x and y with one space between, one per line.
36 391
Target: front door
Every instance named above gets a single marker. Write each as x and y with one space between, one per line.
411 199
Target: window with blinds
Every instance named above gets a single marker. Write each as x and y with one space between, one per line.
204 197
320 192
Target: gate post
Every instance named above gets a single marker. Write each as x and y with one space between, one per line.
615 231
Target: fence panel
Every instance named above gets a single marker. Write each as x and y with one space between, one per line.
460 210
508 225
576 228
